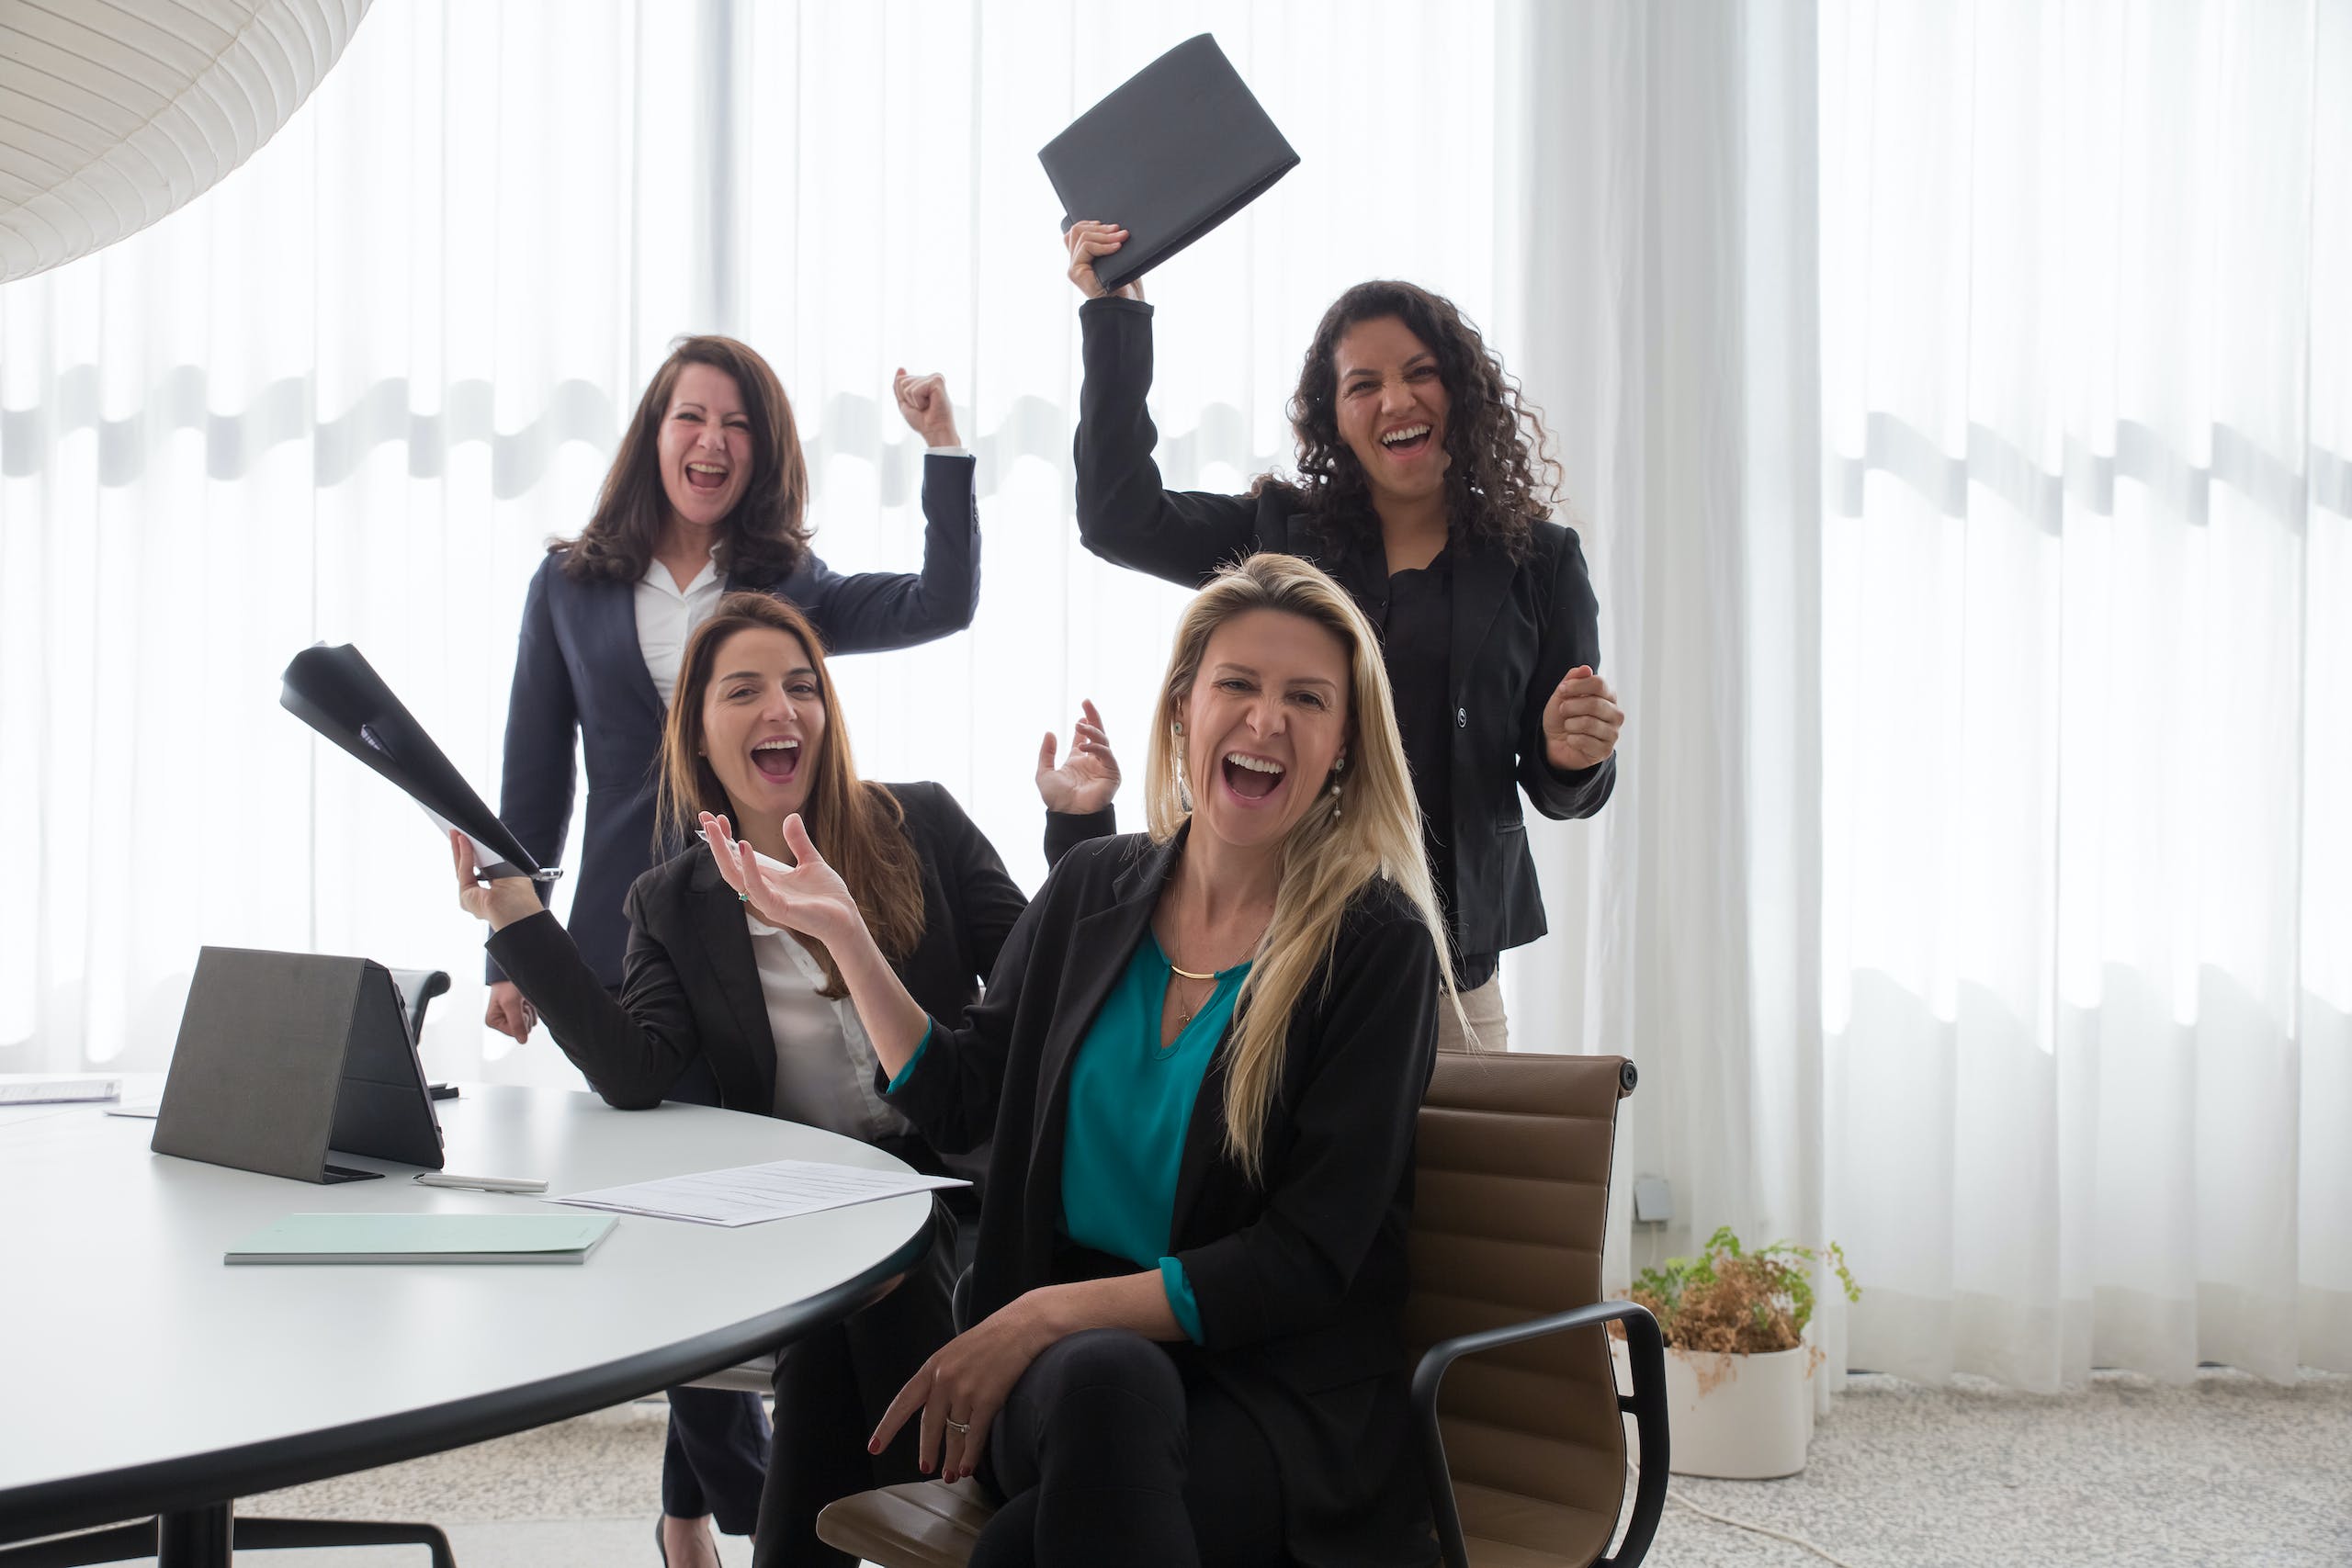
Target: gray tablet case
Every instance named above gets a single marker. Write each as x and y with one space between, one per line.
1174 151
284 1055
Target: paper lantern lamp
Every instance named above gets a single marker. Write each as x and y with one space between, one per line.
115 112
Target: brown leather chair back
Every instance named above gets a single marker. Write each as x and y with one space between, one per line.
1509 1216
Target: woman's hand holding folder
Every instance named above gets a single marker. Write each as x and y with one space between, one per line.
500 900
1087 240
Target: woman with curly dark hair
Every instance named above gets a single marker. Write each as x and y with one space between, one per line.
1418 489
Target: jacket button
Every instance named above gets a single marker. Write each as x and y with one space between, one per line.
1461 718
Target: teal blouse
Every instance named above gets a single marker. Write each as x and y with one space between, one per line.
1130 1105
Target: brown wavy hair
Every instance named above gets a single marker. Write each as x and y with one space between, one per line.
858 827
762 540
1502 476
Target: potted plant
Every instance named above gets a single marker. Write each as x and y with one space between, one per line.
1737 1365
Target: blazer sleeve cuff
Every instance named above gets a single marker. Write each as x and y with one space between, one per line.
1065 831
1181 1301
520 941
1114 305
898 1079
1574 792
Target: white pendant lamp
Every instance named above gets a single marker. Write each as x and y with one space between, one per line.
115 112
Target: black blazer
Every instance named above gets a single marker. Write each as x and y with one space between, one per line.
1518 626
1301 1281
579 671
693 995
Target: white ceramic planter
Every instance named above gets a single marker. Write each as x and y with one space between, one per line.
1753 1421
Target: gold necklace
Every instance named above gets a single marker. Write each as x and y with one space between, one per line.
1184 1014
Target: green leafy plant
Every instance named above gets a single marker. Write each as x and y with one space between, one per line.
1728 1299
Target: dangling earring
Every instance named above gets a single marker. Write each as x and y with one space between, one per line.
1179 726
1337 769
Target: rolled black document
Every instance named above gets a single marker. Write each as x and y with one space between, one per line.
338 694
1175 151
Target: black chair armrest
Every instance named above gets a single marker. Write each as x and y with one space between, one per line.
1646 1405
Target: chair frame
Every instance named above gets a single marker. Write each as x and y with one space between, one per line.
1646 1405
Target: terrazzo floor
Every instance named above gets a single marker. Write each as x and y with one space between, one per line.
2227 1469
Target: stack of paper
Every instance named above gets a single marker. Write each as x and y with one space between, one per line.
752 1193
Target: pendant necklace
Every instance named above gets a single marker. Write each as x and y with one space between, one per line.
1184 1013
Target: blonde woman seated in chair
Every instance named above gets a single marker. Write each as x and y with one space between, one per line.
1201 1057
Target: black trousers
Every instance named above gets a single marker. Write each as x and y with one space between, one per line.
1113 1448
715 1457
832 1389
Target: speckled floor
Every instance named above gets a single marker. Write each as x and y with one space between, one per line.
2228 1469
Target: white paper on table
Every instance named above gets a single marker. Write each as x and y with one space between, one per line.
749 1194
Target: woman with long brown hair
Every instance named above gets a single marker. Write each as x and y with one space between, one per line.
1201 1057
1423 488
756 735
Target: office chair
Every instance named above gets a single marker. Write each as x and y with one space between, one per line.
1524 1449
417 988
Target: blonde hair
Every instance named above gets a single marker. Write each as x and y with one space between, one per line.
1331 854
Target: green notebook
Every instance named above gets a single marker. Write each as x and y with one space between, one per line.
424 1238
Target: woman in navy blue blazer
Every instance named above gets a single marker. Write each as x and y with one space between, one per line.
707 494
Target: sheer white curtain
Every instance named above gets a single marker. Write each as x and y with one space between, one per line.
347 395
2087 723
1677 353
1956 401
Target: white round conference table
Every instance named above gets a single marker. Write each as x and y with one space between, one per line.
142 1376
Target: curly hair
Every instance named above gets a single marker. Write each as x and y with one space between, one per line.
1502 475
762 540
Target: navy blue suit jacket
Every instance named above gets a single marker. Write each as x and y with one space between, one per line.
579 672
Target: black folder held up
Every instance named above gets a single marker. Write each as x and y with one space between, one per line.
338 694
1176 151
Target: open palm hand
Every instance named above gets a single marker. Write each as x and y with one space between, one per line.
807 897
1087 779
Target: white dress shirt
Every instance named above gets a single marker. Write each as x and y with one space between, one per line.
824 1063
667 615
